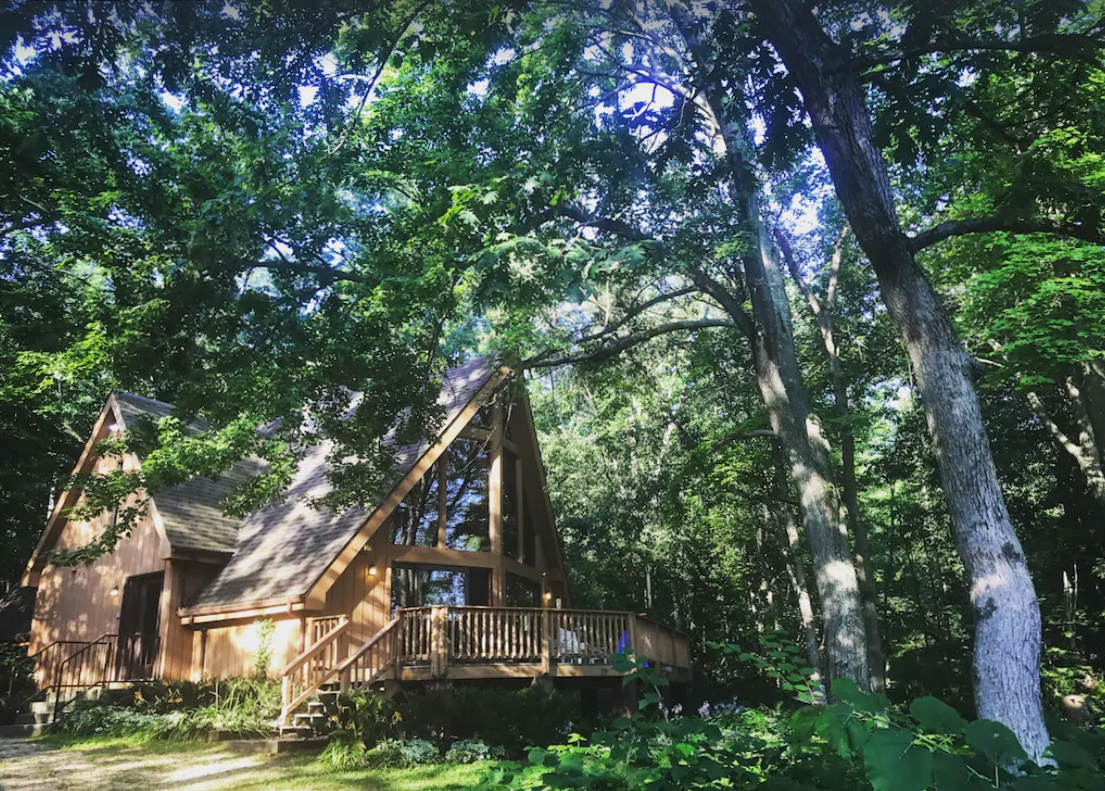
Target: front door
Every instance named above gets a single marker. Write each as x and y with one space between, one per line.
139 624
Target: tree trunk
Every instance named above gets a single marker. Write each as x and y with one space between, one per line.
1007 614
1084 448
796 568
779 378
823 315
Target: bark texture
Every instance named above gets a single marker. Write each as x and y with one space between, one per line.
823 315
796 568
1006 611
779 377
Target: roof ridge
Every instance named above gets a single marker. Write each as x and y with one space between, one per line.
128 394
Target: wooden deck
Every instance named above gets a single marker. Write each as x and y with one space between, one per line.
467 643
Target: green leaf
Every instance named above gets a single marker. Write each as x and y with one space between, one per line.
996 742
846 691
936 716
894 763
1069 754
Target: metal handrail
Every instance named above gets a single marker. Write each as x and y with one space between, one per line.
57 686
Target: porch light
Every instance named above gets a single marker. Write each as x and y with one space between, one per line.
548 595
114 591
372 571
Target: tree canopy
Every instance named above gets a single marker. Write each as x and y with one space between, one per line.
810 296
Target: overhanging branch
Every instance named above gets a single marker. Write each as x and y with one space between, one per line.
1067 45
950 228
625 343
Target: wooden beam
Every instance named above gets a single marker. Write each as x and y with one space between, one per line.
68 497
238 615
316 595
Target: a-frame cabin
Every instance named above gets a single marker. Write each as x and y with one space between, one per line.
456 574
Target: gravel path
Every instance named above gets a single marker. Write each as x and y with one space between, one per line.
33 766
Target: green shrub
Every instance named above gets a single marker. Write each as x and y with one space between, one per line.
398 754
510 719
91 718
369 718
470 751
345 751
178 710
858 742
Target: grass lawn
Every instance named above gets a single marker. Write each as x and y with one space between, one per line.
54 764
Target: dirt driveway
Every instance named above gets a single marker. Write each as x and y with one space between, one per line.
34 766
121 765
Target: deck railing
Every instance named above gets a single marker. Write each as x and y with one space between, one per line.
477 642
440 637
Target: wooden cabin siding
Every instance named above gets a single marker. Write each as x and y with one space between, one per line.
230 651
75 603
362 597
182 580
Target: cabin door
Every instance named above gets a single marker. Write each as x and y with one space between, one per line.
139 626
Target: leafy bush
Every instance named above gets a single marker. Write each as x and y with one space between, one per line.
510 719
470 751
91 718
857 742
367 718
178 710
932 744
345 751
398 754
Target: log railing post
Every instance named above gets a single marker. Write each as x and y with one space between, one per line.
437 641
546 642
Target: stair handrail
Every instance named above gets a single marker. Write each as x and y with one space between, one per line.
310 653
58 705
28 659
293 704
368 646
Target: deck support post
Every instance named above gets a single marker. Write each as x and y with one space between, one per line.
437 641
546 642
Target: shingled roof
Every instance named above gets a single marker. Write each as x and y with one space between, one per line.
281 550
192 513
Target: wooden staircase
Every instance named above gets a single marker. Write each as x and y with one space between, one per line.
314 679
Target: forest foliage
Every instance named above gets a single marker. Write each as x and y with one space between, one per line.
243 208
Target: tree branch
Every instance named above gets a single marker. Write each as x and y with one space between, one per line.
728 302
738 436
626 343
950 228
1074 45
327 275
634 312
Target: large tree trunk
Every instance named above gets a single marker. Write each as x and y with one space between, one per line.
1007 614
783 517
779 377
823 315
807 458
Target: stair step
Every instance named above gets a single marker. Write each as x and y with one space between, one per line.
277 746
312 716
21 731
296 731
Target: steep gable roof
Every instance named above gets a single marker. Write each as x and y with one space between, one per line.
283 549
192 513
